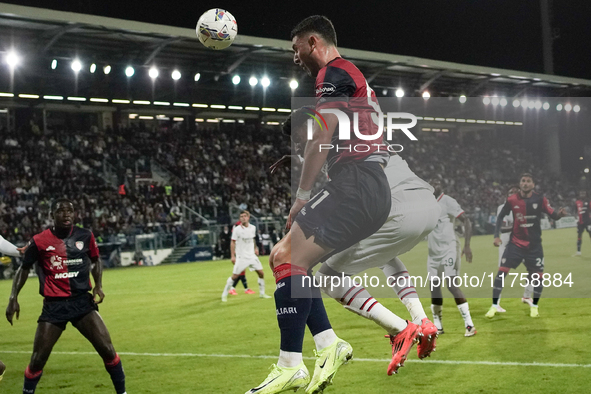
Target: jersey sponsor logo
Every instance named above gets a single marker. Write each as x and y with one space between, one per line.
80 245
280 285
525 225
66 275
49 248
286 311
57 262
325 88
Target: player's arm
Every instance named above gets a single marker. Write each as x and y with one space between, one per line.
8 248
30 257
504 212
256 248
467 236
96 269
555 215
233 251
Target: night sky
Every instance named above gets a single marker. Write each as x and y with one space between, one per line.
495 33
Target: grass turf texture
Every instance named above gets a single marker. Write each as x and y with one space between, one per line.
175 314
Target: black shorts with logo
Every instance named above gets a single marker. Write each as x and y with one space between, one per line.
533 257
581 227
59 311
351 207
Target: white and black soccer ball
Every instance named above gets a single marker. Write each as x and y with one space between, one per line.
217 28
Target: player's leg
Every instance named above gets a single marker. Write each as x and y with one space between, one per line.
261 281
435 271
242 278
2 370
505 238
511 259
580 231
94 329
534 262
452 270
237 268
45 338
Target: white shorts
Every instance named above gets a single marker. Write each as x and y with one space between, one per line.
505 238
253 263
413 215
449 263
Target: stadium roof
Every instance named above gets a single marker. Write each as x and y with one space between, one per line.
41 35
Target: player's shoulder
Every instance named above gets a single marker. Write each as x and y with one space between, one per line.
81 232
448 199
43 236
337 72
513 198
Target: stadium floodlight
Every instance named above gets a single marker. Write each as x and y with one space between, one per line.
399 93
516 103
576 108
495 101
486 100
12 59
546 106
129 71
524 103
197 77
76 65
426 95
503 102
176 75
538 104
568 107
265 82
293 84
153 73
92 68
54 64
236 79
107 69
559 107
586 170
463 99
531 104
253 81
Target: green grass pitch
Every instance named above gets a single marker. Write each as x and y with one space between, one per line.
174 335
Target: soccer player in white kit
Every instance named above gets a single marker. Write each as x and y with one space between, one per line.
244 254
505 238
444 258
9 249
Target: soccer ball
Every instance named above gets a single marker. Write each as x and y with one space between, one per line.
217 29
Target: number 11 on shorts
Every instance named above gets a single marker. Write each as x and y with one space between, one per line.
322 195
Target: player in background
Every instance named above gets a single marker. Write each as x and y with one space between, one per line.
584 222
525 245
505 237
244 254
413 215
358 186
445 258
9 249
65 256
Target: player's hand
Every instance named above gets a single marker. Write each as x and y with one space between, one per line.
98 292
22 250
562 212
293 212
256 251
233 259
497 242
284 160
12 308
468 252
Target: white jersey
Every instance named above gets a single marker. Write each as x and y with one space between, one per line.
245 240
507 220
401 177
443 237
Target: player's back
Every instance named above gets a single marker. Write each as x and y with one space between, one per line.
443 237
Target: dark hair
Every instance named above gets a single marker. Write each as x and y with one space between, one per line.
512 187
55 203
296 119
316 24
527 174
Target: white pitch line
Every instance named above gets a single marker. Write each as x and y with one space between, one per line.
372 360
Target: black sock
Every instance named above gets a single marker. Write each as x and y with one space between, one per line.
244 283
292 309
31 380
498 286
538 289
318 319
115 369
235 282
579 242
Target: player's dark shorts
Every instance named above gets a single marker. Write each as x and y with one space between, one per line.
581 227
351 207
533 257
60 311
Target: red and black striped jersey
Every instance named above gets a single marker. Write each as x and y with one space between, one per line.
63 265
527 213
340 85
583 211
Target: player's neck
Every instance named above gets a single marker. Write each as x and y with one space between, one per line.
527 195
61 232
245 224
330 54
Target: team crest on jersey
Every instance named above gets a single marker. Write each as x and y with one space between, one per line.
535 205
80 245
56 262
503 261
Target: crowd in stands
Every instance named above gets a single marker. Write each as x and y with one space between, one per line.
212 169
